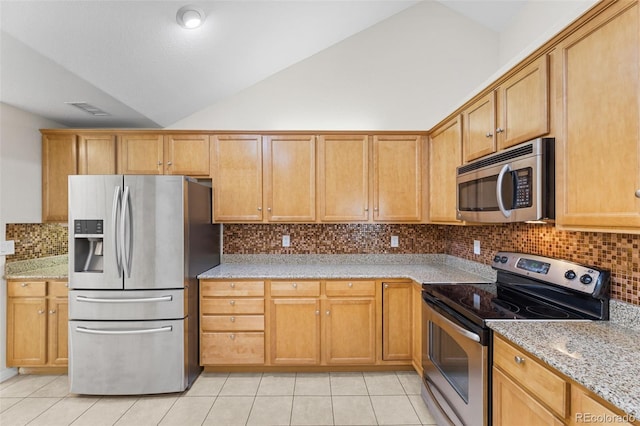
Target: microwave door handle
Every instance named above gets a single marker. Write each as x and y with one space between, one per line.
505 169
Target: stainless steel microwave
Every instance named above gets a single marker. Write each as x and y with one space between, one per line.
514 185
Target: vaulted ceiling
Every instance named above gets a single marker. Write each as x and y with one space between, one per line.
132 60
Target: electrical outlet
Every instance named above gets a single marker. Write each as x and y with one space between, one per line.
286 241
394 241
7 248
476 247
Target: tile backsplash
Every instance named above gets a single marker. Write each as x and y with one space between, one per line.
617 252
34 240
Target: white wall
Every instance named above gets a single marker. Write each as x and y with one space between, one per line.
405 73
20 188
400 74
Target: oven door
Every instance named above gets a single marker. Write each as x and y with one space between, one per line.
455 361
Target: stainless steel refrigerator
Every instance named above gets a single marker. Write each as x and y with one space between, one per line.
136 245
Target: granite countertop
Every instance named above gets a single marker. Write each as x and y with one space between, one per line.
420 268
47 268
600 355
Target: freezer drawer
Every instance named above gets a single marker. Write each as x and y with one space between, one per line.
127 357
126 304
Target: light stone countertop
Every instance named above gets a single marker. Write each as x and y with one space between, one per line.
420 268
46 268
603 356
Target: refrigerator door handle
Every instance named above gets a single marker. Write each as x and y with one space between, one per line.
124 300
121 332
115 209
125 232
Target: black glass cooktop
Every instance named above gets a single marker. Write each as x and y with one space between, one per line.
491 301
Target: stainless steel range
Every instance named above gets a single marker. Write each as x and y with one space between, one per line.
457 341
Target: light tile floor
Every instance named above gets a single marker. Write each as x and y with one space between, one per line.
370 398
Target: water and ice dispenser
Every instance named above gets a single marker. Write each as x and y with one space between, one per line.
89 240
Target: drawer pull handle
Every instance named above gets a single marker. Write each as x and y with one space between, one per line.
294 285
232 319
232 302
232 285
24 284
518 359
232 336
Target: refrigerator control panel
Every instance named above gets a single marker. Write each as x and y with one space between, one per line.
88 227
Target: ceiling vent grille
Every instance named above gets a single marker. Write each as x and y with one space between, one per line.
88 108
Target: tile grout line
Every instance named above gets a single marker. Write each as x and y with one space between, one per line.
370 400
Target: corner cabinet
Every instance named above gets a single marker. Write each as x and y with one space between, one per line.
598 144
445 154
37 323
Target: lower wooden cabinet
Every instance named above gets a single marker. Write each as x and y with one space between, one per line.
232 323
37 324
526 391
295 330
397 321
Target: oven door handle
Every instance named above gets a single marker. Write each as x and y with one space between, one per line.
465 333
506 168
428 386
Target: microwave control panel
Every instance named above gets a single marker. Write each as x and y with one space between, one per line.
523 178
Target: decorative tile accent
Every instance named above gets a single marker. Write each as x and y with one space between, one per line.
35 240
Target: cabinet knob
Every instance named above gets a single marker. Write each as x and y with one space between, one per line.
328 312
317 312
518 359
350 285
40 311
489 134
268 209
232 319
232 302
366 209
66 285
159 163
232 336
386 286
259 209
52 311
232 285
638 193
24 284
169 163
294 285
375 209
499 130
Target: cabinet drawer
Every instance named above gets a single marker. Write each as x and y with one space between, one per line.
350 288
232 306
295 288
58 288
232 322
532 375
232 288
26 288
231 348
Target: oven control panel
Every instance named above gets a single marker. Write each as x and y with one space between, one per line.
582 278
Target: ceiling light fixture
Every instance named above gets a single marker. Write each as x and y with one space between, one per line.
190 17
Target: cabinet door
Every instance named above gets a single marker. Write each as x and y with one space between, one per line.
523 105
26 331
592 410
445 154
141 154
479 138
349 326
97 154
187 155
343 178
295 331
58 330
417 327
237 178
397 179
598 149
290 174
397 316
59 160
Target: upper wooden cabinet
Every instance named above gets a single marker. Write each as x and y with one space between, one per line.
59 160
343 178
237 178
516 111
479 128
290 178
598 145
141 154
187 155
397 178
97 154
523 105
445 154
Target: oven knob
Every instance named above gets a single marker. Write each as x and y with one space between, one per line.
570 274
586 279
496 259
504 259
